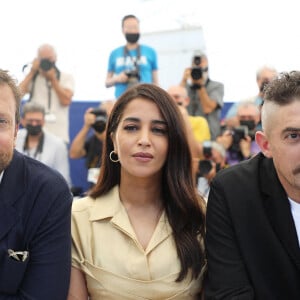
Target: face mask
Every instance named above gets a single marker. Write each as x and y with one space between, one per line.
34 130
249 123
132 38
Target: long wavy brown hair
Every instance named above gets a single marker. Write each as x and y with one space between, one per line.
184 207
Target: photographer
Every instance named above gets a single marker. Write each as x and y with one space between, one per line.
50 87
33 141
205 94
213 160
90 146
132 63
239 141
264 75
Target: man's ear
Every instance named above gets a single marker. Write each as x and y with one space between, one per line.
263 143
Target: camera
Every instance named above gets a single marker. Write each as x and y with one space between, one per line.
250 124
238 133
101 119
205 165
196 72
133 73
133 76
207 146
46 64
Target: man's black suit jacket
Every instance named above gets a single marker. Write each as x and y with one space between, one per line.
252 246
35 216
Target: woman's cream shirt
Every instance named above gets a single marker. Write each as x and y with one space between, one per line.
106 250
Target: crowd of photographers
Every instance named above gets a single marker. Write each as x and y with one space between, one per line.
215 143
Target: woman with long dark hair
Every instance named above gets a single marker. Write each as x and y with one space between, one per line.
139 234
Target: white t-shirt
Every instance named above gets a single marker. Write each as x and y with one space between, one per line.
295 208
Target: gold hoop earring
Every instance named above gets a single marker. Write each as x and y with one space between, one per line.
110 157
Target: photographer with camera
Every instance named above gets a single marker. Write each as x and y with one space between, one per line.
50 87
133 63
239 141
213 160
205 94
264 75
90 146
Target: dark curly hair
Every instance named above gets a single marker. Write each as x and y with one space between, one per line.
283 89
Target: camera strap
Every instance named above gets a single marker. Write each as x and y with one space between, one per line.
48 86
39 148
32 86
134 60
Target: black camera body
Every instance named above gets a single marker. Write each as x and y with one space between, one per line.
133 76
101 119
205 165
238 133
196 71
46 64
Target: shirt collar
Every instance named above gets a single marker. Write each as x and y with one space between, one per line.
110 206
1 176
107 206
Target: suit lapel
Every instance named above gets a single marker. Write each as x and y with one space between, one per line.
8 218
11 189
278 210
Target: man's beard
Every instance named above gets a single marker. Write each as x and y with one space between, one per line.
5 159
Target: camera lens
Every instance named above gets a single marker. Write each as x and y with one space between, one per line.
196 73
101 119
46 64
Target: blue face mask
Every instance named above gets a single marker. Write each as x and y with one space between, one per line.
34 129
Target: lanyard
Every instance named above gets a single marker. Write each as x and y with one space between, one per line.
39 148
126 53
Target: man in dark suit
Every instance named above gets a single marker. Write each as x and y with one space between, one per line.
35 206
253 223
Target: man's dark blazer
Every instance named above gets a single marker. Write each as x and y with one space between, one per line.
35 208
251 241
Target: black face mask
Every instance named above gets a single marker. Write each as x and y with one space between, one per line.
132 38
34 129
249 123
